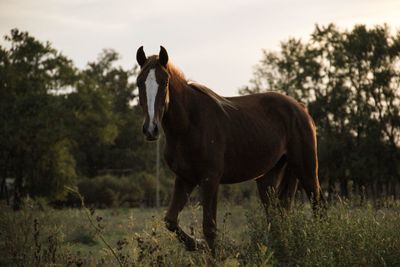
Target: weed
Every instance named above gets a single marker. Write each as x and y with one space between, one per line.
352 234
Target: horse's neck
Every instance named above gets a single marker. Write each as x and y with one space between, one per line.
176 118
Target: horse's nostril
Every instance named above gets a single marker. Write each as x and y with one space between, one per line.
150 132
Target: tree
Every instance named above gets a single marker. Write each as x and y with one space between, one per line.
33 141
350 82
107 127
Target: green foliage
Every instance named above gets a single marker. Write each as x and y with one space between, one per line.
102 116
29 239
60 165
111 191
100 190
58 123
34 146
350 83
350 235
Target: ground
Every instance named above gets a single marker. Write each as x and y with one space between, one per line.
352 234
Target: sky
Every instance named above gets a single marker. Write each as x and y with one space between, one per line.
214 42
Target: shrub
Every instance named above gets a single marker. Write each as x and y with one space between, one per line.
111 191
101 191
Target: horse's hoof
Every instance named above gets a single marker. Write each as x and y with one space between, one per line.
201 244
196 244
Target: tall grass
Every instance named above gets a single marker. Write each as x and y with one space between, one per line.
350 235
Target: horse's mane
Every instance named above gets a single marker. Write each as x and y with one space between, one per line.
220 100
179 79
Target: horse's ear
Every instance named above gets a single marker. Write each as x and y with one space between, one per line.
163 56
141 56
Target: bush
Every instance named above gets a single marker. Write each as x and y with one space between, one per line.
139 189
112 191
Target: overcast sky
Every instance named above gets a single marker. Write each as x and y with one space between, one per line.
213 42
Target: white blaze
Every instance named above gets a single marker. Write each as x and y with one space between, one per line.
151 93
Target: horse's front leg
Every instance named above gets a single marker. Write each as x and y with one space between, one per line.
209 189
182 190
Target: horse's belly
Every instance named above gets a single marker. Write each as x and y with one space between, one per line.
251 163
245 172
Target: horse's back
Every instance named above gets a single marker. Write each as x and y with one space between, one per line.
261 128
274 107
267 101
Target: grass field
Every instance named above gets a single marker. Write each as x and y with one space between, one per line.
350 235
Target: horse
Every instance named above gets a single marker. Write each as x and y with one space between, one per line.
212 140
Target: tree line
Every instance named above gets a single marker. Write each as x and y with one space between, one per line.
350 82
64 126
60 125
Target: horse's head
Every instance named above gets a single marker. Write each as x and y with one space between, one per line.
153 90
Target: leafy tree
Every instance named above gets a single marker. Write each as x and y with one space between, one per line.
33 140
58 123
350 82
107 124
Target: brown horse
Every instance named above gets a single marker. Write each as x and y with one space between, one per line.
212 140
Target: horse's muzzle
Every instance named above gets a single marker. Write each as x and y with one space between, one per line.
151 133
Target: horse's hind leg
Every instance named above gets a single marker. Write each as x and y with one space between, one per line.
288 188
313 190
269 183
307 172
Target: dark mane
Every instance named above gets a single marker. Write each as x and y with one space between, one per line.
179 79
220 100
